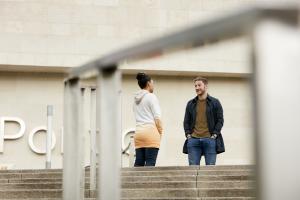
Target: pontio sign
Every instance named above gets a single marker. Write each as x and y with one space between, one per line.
20 134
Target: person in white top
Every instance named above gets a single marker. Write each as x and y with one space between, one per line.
148 122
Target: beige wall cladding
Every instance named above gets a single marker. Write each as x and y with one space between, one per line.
26 95
68 33
211 59
173 94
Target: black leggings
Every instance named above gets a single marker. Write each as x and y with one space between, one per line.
145 157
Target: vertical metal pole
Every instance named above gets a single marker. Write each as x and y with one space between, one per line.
49 136
131 151
86 102
62 141
108 83
277 72
1 135
73 166
93 140
98 158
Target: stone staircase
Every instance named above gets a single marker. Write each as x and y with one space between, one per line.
146 183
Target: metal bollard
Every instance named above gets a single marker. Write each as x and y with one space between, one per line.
49 136
131 151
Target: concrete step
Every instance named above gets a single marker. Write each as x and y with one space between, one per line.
20 194
227 167
161 173
34 193
163 168
43 185
158 178
139 184
188 184
176 198
188 192
135 193
226 192
36 180
210 167
194 198
225 184
243 171
225 177
226 198
15 175
167 168
40 178
30 170
186 178
187 172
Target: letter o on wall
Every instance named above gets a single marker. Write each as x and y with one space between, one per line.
30 140
129 132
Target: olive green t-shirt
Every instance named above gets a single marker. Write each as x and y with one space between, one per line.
201 127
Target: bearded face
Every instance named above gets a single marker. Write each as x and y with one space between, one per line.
200 88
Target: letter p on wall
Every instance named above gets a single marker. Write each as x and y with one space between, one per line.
10 136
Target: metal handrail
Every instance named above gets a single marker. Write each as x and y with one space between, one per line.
106 69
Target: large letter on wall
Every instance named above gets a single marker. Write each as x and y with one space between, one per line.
31 136
10 137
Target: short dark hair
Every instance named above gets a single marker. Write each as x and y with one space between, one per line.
142 79
199 78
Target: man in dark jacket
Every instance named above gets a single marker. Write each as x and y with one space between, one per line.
203 122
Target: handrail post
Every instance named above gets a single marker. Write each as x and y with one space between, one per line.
276 62
93 157
131 151
108 106
49 136
73 165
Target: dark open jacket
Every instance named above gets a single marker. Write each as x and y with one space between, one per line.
214 114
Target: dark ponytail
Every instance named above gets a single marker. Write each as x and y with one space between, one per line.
142 79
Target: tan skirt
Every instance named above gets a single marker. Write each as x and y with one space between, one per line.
147 135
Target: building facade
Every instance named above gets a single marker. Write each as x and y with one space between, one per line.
41 41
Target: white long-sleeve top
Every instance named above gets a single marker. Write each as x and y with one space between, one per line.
146 108
148 124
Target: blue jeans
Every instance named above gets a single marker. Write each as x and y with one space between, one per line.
202 146
145 157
